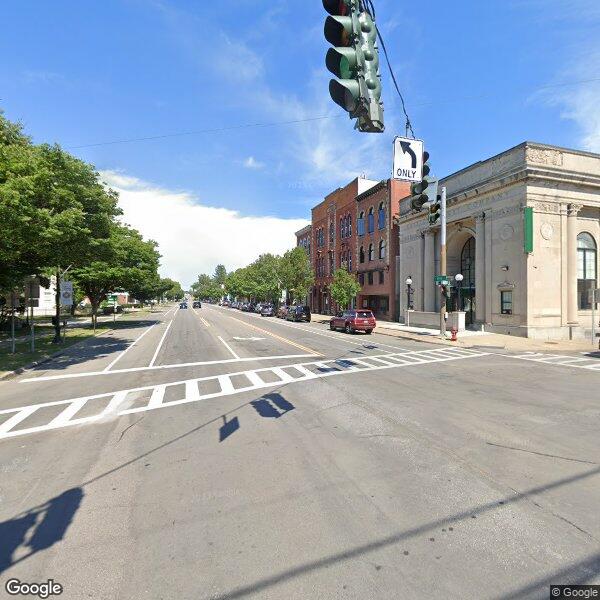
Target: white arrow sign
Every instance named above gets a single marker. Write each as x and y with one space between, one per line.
408 159
250 339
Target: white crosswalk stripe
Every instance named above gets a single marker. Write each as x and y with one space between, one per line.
13 421
590 363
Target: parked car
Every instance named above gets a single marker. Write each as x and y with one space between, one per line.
353 320
258 308
282 311
197 304
183 305
298 313
267 310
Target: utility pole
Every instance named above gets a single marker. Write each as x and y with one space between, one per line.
443 263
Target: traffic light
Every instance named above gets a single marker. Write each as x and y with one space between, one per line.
435 210
425 190
354 60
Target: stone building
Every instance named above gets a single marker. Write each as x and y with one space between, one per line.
523 230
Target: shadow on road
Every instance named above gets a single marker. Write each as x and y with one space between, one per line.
272 406
228 428
37 529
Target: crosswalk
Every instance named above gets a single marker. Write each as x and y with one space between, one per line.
102 407
584 362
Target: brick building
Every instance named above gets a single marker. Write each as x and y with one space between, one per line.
334 239
376 247
304 240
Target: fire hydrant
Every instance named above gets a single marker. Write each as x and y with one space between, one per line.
453 331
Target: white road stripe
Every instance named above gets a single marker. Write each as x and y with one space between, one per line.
114 362
116 400
228 347
192 394
162 339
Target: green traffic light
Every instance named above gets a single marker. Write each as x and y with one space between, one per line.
341 62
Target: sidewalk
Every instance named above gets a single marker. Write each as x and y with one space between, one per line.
478 339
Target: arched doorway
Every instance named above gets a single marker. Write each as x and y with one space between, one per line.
466 301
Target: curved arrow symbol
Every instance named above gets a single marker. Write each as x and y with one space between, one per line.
406 149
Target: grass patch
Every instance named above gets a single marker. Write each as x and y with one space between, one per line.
43 347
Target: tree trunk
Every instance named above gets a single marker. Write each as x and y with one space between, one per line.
57 338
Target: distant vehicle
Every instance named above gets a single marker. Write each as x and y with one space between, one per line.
352 321
282 312
183 305
298 313
224 303
267 310
197 304
258 308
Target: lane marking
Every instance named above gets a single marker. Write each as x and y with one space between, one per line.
159 367
559 360
309 350
162 339
193 387
228 347
204 321
114 362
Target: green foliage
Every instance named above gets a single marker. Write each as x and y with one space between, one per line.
220 274
344 288
296 273
172 289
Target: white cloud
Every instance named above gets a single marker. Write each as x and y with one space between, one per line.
193 238
252 163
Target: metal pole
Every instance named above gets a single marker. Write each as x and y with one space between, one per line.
12 330
443 261
32 330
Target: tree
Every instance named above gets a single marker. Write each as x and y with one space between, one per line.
220 275
296 273
172 289
344 288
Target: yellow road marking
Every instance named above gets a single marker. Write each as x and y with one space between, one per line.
309 350
201 318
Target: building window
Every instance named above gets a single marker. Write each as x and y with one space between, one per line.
382 249
587 257
361 224
331 232
350 261
506 303
349 226
361 255
381 277
370 277
381 216
342 228
370 252
467 263
371 220
361 278
331 263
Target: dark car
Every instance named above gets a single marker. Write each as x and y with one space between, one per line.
282 311
197 304
183 305
353 320
298 313
267 310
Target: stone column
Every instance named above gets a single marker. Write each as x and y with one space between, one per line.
429 272
572 210
480 267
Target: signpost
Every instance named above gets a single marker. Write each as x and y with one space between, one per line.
408 159
441 280
32 300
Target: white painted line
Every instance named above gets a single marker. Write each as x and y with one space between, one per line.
204 321
116 400
162 339
65 416
175 366
158 393
226 385
255 380
21 415
114 362
191 390
285 377
228 347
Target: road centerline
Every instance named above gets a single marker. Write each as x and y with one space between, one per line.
162 339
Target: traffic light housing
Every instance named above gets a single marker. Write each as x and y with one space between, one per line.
435 210
425 190
354 60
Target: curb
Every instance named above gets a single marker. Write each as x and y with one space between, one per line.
47 358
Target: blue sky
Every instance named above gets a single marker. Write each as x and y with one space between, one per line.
478 77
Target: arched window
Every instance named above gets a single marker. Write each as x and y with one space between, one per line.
371 220
467 263
361 255
331 232
587 260
382 249
342 228
361 224
370 252
349 225
349 261
381 216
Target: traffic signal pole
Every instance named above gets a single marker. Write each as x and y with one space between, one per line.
443 263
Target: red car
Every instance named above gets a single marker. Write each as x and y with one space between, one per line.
353 320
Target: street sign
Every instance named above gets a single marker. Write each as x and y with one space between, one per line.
408 159
66 293
441 279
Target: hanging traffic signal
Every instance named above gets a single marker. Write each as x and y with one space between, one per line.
435 210
354 60
425 190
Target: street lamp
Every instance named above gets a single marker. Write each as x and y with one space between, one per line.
459 279
409 304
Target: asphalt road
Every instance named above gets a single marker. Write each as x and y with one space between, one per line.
216 454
